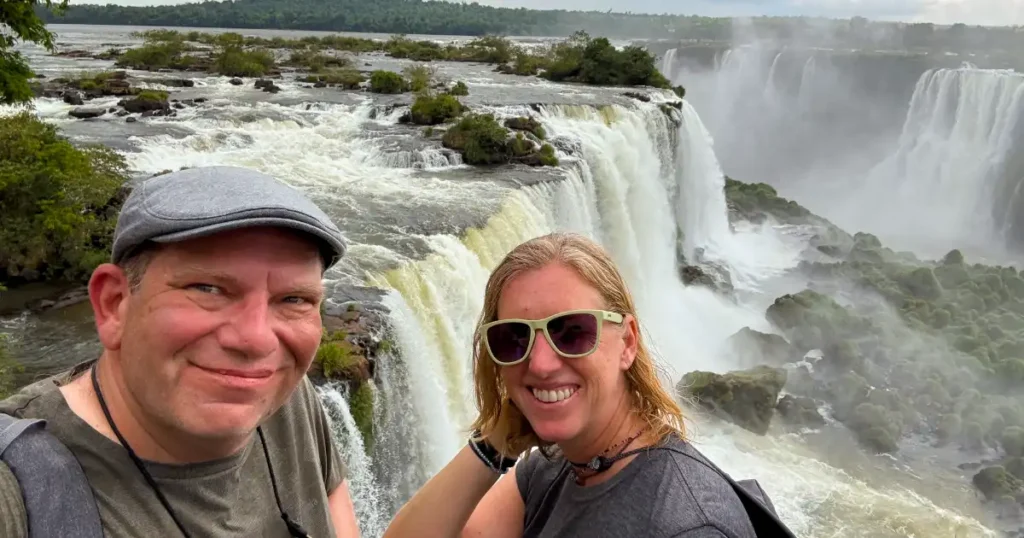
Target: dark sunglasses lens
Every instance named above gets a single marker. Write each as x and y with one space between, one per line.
508 341
574 334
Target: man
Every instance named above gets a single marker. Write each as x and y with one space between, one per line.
197 418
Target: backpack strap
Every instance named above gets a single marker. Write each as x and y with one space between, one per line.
755 500
58 499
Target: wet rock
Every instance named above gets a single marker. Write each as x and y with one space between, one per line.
83 113
320 84
176 82
131 120
751 347
526 124
74 98
800 411
355 334
706 273
267 85
179 106
638 96
747 397
146 102
236 82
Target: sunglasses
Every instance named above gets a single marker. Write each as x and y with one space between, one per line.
571 334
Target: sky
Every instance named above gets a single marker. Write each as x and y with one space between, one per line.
984 12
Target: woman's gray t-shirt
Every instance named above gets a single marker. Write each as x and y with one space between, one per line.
665 492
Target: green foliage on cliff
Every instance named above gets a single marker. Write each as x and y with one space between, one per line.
58 202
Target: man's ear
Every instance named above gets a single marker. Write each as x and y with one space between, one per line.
109 294
630 340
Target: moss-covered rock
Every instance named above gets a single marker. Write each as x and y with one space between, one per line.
997 484
876 427
800 411
526 124
747 398
1013 441
752 347
147 101
812 320
482 141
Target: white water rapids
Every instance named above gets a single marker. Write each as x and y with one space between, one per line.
636 183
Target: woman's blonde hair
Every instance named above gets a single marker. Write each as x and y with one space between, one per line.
500 421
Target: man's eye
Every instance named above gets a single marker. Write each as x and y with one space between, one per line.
295 299
205 288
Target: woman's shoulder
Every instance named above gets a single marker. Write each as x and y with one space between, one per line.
681 474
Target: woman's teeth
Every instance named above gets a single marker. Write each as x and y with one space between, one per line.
552 396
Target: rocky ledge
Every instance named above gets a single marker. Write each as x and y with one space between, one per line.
356 335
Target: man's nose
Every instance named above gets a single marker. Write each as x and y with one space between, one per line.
250 330
543 359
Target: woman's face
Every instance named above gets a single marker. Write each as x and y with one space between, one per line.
561 397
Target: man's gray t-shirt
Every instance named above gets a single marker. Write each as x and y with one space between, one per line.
666 492
227 498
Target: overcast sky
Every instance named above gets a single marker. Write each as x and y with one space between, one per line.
988 12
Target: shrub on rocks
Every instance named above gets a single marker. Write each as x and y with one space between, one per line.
58 202
483 141
387 82
431 109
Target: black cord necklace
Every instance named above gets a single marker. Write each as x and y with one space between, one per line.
294 529
601 463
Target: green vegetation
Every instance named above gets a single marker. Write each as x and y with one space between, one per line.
23 20
387 82
58 203
335 357
579 59
752 200
529 125
361 405
235 61
484 141
459 89
429 109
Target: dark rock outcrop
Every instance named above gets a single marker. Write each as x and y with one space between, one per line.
747 398
751 347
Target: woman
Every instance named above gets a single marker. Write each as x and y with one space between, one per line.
560 365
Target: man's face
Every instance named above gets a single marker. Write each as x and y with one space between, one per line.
221 330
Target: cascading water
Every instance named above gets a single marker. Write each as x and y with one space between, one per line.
945 182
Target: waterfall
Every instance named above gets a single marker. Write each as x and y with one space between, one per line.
366 495
701 207
668 64
944 182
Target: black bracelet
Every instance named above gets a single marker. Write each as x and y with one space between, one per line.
490 456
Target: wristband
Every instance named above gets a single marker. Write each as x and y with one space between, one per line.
490 456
